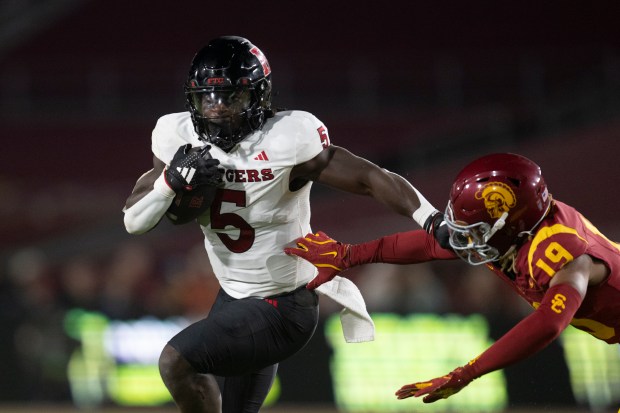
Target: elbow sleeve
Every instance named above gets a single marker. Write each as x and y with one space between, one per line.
147 212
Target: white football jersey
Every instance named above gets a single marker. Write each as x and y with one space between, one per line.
255 215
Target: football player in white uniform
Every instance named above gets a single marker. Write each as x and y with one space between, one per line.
265 162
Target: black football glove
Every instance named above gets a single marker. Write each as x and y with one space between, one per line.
192 168
436 225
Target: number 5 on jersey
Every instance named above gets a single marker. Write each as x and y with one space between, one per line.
324 136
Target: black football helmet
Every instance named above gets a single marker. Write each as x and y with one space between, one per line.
494 202
228 91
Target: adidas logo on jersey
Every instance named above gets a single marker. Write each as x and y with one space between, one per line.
261 157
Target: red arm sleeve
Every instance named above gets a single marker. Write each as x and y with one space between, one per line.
532 334
401 248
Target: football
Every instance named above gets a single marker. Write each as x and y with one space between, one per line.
188 206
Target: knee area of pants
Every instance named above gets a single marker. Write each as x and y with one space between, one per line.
168 361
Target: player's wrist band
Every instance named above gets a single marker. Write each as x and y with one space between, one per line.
422 214
425 210
161 186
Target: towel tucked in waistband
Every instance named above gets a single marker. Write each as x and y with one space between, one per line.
357 326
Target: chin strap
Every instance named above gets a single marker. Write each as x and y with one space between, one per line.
531 231
499 224
507 261
249 123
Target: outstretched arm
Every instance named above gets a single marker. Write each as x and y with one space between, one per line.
532 334
339 168
331 257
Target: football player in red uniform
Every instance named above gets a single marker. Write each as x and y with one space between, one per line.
500 214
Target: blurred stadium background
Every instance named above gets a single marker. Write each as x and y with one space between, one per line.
414 87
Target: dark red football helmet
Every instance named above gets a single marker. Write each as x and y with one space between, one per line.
494 200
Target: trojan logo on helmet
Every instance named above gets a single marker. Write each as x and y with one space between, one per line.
498 198
514 201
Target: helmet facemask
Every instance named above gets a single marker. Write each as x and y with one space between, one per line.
225 116
470 242
496 202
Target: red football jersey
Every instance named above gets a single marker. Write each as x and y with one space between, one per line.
560 238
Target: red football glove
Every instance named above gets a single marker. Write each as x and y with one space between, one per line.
325 253
439 388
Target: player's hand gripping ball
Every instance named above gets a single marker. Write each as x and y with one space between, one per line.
195 176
